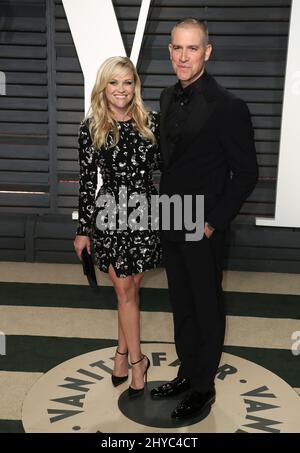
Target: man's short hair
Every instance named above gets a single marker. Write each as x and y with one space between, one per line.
194 22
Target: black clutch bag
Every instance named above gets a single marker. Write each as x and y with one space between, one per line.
88 267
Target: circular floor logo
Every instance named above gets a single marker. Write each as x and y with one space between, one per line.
77 396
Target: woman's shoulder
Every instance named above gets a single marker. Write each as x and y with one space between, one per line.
153 114
85 124
153 117
84 130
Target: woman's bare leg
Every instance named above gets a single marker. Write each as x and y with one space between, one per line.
129 320
121 360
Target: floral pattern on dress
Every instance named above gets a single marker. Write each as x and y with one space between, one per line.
129 164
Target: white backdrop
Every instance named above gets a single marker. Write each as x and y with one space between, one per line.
96 36
287 210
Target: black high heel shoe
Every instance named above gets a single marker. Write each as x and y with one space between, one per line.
138 392
118 380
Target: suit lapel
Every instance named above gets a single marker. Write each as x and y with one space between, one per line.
165 146
198 115
200 110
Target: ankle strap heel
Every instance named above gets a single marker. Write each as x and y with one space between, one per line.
121 353
138 361
138 392
118 380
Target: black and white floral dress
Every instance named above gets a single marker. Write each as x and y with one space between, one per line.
129 166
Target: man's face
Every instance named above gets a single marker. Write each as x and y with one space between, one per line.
188 53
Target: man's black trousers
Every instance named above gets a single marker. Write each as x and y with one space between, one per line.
194 273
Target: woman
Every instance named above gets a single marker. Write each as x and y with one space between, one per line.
118 135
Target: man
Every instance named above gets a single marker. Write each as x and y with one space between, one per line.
207 148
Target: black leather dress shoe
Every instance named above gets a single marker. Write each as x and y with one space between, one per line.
195 403
171 388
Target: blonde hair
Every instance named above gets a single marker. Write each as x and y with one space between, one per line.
101 121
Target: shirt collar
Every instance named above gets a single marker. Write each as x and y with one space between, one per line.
184 94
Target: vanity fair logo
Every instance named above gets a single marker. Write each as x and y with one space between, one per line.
78 396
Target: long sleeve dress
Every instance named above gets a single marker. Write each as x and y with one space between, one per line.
129 166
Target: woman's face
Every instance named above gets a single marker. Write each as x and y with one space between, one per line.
119 92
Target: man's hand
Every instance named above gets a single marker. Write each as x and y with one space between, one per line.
208 230
80 243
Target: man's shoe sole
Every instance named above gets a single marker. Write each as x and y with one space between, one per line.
159 397
193 414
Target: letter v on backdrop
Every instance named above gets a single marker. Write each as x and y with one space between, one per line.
97 36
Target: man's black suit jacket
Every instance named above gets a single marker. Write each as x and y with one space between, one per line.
215 156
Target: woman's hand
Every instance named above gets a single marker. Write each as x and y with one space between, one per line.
80 243
208 230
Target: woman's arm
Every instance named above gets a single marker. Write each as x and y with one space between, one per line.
87 189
